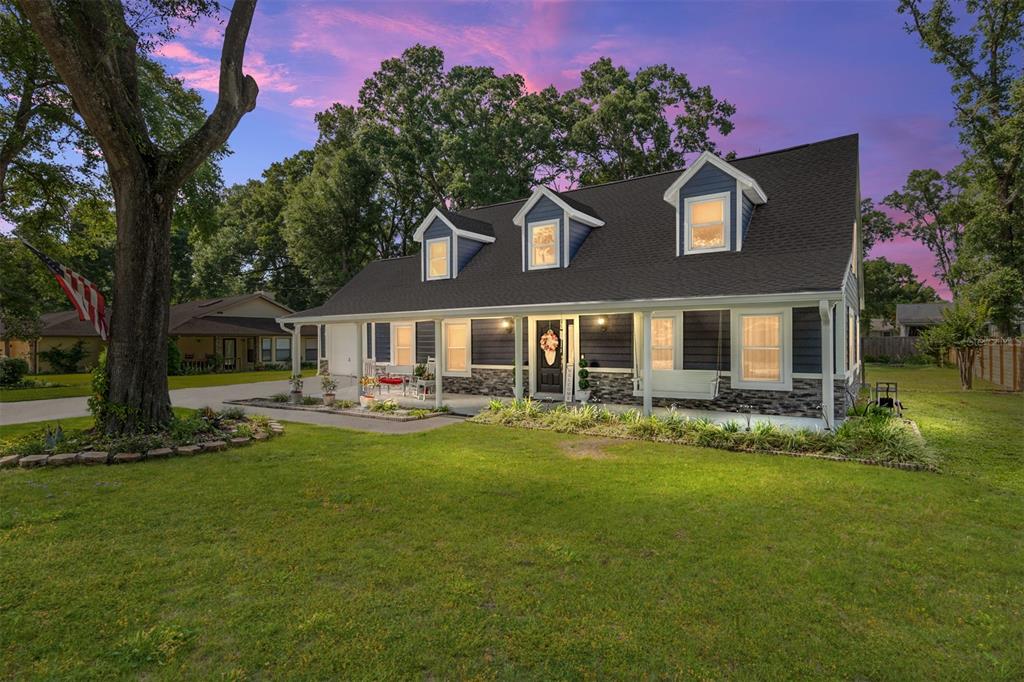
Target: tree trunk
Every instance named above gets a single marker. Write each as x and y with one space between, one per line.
137 350
965 363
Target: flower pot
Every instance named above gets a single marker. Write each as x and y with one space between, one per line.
366 400
328 399
583 395
296 397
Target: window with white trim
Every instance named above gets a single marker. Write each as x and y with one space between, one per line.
851 339
266 349
283 348
456 350
437 258
761 353
542 245
403 354
663 343
707 223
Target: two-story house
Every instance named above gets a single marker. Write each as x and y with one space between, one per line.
730 285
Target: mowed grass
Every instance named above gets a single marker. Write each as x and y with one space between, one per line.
486 552
75 385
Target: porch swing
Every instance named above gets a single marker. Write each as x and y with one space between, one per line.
688 384
715 383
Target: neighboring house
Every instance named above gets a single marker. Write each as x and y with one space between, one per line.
913 318
881 327
238 332
727 286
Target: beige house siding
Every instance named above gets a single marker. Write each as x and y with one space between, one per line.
92 344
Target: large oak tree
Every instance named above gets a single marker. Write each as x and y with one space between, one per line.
96 53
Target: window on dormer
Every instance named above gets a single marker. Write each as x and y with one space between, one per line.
707 222
543 245
437 258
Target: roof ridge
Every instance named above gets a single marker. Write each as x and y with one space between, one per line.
673 170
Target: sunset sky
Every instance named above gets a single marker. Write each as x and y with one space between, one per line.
797 72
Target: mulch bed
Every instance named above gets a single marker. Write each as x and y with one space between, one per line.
399 415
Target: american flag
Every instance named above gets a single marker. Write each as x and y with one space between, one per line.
84 295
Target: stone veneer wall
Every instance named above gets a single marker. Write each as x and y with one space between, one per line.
496 382
803 401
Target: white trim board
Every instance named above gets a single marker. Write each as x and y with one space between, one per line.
435 213
578 216
796 299
748 185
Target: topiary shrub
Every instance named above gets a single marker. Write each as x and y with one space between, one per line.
65 360
174 367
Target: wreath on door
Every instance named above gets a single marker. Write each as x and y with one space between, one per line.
549 344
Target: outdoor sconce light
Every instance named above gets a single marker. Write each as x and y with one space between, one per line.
602 323
506 324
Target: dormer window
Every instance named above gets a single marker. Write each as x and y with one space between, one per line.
437 258
543 245
707 223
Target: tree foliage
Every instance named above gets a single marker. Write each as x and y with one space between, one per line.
981 45
887 284
619 128
1001 292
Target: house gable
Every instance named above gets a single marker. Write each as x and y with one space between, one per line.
461 236
573 222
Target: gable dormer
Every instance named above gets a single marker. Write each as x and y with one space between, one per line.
554 226
714 202
448 242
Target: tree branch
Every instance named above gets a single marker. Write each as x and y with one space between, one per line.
236 97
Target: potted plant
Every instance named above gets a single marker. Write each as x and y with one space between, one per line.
583 385
328 386
296 384
366 396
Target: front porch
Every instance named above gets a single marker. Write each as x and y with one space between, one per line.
466 404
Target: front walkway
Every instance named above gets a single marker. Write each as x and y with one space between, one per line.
214 396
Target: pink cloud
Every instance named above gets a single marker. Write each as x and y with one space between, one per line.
304 102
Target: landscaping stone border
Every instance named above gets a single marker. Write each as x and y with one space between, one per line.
96 457
347 411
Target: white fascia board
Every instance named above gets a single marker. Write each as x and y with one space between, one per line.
578 216
434 213
797 299
748 185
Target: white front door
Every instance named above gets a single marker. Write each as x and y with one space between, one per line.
341 348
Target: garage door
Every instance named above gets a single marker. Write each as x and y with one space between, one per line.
341 345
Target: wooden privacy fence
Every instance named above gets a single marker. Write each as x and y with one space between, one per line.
1001 362
895 347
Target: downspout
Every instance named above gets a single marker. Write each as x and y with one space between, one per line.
828 398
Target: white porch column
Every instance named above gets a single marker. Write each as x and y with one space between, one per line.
360 355
438 361
319 350
296 342
828 398
648 378
518 364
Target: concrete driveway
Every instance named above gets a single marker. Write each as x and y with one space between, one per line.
214 396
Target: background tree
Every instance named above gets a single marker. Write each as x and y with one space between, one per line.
336 205
1001 292
877 225
887 284
619 128
249 252
96 54
934 216
963 329
984 59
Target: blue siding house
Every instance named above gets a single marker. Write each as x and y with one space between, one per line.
730 286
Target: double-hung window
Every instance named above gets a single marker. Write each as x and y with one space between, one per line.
437 258
707 223
266 350
542 245
456 349
403 344
762 350
663 343
283 346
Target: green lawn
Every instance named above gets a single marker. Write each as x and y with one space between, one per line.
480 551
73 385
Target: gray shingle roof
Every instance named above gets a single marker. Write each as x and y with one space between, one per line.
920 313
468 224
799 241
578 205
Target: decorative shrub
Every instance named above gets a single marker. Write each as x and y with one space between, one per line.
12 371
65 360
384 406
174 367
880 436
328 384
